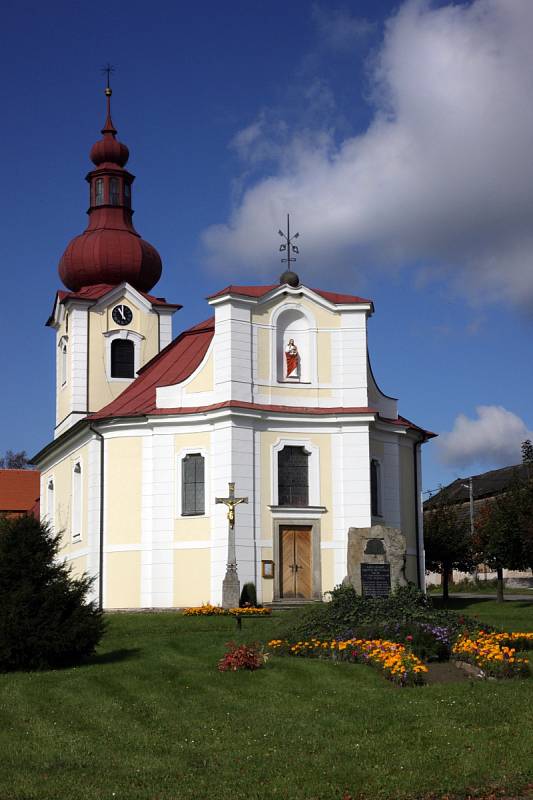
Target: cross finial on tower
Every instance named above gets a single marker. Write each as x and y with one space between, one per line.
108 70
291 250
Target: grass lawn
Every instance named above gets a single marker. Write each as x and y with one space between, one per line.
152 718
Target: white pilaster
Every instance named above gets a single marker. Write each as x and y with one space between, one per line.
233 352
147 522
93 514
163 479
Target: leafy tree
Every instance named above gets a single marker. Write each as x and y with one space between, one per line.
448 543
13 460
504 531
45 619
527 452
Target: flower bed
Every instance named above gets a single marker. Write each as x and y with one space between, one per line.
395 660
242 656
493 653
208 610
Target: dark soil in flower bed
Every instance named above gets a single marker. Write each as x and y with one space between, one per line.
446 672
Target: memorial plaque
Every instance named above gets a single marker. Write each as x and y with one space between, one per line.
375 580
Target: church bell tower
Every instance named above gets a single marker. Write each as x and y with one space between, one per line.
107 324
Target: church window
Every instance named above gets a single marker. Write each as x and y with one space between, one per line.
50 502
127 195
99 192
122 358
293 477
193 484
63 360
114 192
375 488
76 501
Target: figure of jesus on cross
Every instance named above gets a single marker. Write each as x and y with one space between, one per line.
230 584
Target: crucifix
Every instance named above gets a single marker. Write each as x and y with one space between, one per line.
230 584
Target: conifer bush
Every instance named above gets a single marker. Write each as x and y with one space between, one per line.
248 596
45 619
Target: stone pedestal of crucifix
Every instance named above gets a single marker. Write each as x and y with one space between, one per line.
231 588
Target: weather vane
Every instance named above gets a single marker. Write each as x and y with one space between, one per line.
288 247
108 69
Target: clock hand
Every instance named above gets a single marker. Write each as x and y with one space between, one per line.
121 310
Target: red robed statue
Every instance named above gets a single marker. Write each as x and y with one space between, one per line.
292 358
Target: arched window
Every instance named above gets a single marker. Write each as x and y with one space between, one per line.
99 192
76 501
114 192
192 485
375 488
127 195
122 358
293 477
50 502
63 363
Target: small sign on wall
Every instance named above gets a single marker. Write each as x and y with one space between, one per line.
267 569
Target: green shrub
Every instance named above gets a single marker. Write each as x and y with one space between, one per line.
45 620
405 612
248 596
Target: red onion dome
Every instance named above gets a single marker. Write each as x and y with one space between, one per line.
109 150
110 250
110 256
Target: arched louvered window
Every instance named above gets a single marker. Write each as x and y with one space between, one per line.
293 477
375 488
122 358
192 485
114 192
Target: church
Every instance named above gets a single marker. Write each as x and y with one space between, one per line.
273 391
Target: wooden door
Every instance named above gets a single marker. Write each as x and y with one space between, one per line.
296 562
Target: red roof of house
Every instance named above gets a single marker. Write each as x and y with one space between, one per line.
259 291
19 490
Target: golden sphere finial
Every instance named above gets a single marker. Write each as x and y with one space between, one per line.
108 91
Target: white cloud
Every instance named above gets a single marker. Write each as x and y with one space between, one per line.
442 179
493 439
338 29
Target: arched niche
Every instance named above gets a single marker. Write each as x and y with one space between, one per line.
294 324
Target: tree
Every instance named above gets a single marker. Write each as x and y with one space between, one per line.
527 452
503 535
13 460
447 542
45 619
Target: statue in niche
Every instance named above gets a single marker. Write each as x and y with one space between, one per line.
292 358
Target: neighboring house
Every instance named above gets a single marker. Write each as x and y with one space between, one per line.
485 488
19 492
274 391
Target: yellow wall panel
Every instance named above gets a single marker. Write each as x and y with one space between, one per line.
123 490
192 577
122 575
203 381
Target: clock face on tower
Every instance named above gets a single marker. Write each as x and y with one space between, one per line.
122 315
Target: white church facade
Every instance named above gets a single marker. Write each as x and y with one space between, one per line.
273 391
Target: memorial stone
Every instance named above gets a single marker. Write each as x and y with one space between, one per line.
376 560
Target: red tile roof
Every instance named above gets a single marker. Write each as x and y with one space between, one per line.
19 490
101 289
259 291
173 364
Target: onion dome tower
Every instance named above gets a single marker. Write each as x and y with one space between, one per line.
110 251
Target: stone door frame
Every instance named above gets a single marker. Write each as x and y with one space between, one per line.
316 569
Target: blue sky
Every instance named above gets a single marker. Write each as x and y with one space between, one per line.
398 135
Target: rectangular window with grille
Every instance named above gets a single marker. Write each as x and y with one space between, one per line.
293 477
192 485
